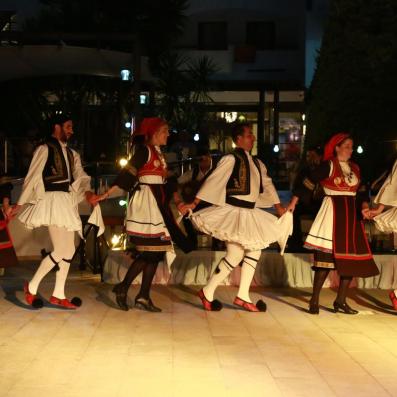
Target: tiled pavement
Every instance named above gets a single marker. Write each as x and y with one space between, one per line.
99 350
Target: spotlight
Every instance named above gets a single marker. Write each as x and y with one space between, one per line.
123 162
196 137
276 149
127 124
360 149
115 239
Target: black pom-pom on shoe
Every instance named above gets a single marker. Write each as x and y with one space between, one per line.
37 303
216 305
261 305
77 301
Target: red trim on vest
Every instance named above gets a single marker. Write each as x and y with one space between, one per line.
154 166
336 180
5 244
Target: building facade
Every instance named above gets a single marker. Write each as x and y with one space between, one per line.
265 53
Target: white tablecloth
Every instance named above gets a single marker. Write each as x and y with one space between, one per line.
293 270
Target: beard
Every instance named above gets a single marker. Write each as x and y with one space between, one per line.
64 136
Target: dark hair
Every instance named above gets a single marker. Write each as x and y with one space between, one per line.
238 130
317 149
59 119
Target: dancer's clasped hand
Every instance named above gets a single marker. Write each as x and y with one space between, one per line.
368 213
292 204
184 208
91 198
14 211
376 211
280 209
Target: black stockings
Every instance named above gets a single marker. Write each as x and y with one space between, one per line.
147 263
320 276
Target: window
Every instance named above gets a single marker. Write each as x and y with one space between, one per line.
261 35
212 36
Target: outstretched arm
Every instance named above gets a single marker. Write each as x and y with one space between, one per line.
128 176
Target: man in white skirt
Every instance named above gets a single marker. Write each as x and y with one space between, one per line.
237 190
56 182
386 222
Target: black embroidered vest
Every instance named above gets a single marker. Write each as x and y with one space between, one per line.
239 183
55 169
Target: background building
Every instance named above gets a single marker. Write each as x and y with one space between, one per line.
264 53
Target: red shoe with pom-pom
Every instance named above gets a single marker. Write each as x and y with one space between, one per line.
31 299
66 303
393 299
260 306
214 306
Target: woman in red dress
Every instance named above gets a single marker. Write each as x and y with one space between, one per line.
337 235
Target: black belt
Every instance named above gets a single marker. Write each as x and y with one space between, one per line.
239 203
57 187
150 184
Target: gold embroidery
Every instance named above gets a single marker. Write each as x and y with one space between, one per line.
351 255
328 265
242 180
309 184
167 247
57 170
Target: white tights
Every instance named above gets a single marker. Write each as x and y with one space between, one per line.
63 249
235 254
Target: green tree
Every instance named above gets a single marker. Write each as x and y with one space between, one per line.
355 81
182 86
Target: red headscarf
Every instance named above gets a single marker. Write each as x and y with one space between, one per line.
334 141
149 126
